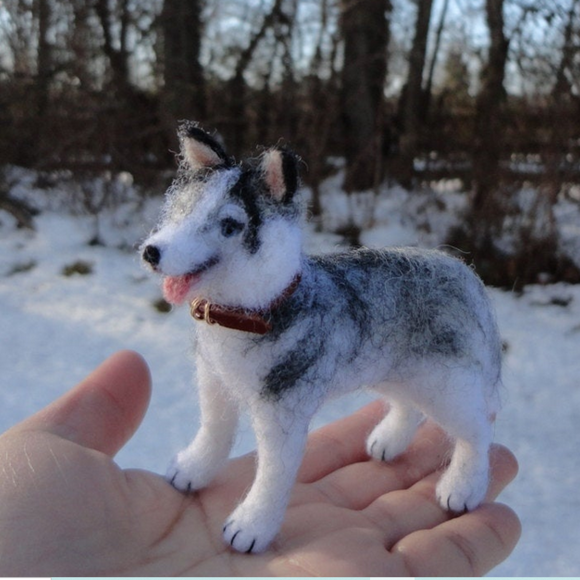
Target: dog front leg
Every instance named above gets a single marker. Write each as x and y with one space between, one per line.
195 466
281 438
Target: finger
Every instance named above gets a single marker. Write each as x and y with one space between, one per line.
104 410
426 453
504 469
340 443
470 545
403 512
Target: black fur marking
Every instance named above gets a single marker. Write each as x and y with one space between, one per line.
288 313
245 191
416 277
409 317
249 550
293 367
190 130
290 173
349 280
409 277
348 312
234 537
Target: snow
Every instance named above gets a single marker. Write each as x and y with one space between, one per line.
55 329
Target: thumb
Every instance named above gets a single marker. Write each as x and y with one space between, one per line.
104 410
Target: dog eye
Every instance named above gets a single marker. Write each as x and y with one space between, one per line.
229 227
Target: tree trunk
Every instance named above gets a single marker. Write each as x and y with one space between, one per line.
365 31
118 57
487 212
560 111
434 56
44 58
562 85
42 80
489 204
315 129
184 91
237 84
80 40
413 105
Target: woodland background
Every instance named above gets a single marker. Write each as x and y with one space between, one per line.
411 91
451 123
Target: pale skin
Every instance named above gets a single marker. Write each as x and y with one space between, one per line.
66 509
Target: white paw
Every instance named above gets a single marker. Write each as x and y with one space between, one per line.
382 450
250 532
394 433
385 444
186 473
460 493
178 477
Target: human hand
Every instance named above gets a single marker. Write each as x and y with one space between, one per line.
66 509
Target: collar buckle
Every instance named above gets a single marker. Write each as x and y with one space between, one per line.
200 310
254 321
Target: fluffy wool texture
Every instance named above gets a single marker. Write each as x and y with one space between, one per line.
413 326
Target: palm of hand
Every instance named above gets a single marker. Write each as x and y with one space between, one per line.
61 493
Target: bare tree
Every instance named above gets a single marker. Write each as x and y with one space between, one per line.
570 50
435 55
116 50
365 32
561 112
183 75
321 96
237 83
488 205
82 46
413 101
44 58
486 208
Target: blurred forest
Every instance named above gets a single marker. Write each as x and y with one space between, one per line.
485 91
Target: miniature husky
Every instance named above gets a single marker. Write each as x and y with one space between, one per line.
280 331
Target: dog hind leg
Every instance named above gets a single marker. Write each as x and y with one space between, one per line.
464 416
464 484
394 433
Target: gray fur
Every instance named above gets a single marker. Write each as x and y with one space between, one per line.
414 326
420 304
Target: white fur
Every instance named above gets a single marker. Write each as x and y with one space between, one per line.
409 368
253 281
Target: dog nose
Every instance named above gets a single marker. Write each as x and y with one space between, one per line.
152 255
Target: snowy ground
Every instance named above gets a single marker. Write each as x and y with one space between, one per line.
55 328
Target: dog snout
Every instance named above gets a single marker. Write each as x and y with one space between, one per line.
152 255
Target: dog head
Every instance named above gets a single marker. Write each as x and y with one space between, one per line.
230 233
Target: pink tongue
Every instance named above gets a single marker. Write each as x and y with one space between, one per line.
176 288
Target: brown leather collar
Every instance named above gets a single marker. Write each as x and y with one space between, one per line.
240 318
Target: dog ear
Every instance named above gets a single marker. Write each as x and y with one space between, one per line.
200 149
279 168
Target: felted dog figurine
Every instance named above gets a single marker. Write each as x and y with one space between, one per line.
281 331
